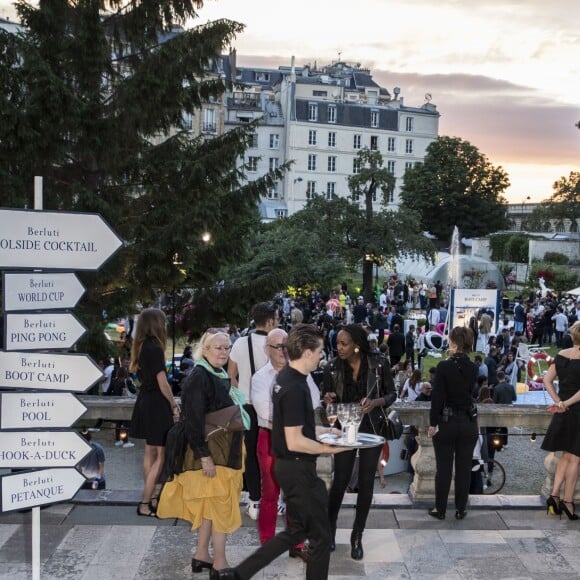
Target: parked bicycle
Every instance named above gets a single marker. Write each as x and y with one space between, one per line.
493 476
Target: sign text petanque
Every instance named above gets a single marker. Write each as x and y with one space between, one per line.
41 291
53 372
47 486
39 410
55 240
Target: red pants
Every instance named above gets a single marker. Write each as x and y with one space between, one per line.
270 488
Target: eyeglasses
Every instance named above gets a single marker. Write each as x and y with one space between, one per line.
278 346
221 348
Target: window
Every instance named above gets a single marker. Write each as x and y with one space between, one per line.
186 121
273 192
356 141
374 196
254 141
312 162
262 76
331 163
390 197
320 93
391 144
332 139
311 137
391 167
374 118
408 165
253 164
281 213
274 141
409 124
356 166
332 114
310 189
313 112
330 190
274 162
208 121
374 143
409 146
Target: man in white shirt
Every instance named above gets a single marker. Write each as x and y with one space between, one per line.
561 322
248 356
262 386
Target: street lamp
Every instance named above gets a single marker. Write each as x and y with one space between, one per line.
176 261
523 204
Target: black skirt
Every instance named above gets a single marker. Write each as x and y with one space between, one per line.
152 418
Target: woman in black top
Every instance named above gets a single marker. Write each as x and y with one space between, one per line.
155 409
351 377
453 423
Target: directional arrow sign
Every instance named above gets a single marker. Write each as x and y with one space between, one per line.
35 488
39 410
55 240
41 291
53 372
41 331
29 449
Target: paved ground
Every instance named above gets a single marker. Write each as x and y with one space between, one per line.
101 537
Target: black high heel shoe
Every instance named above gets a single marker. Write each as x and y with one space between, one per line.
199 565
553 506
223 574
435 514
572 515
356 548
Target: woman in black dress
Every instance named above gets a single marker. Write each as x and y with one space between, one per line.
452 424
155 409
564 431
351 377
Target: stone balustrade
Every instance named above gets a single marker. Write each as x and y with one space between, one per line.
533 417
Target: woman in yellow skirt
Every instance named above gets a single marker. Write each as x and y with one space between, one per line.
205 477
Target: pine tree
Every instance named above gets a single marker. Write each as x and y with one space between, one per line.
92 98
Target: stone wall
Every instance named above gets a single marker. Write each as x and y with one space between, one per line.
570 248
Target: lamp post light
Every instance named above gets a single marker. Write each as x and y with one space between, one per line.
176 262
526 199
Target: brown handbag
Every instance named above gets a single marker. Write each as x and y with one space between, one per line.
222 421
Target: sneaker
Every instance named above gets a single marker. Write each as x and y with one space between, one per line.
118 443
93 429
244 498
128 445
281 509
254 509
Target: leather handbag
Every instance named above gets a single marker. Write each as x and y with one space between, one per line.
223 421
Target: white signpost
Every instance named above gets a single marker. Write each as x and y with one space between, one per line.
41 291
41 331
33 449
39 410
55 240
47 486
54 372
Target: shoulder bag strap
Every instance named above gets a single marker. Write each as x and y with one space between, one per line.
251 352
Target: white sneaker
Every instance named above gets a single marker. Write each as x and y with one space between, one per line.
281 508
118 443
244 498
254 509
93 429
128 445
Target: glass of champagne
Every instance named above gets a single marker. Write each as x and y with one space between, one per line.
343 413
331 414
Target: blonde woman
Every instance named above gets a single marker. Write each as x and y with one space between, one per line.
205 477
155 409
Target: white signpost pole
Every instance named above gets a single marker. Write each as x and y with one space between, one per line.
38 205
44 241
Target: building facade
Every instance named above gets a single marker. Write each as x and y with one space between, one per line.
319 119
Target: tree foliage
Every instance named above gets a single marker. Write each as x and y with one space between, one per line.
456 185
93 101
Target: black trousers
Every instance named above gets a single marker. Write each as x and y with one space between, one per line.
252 480
306 505
367 467
454 443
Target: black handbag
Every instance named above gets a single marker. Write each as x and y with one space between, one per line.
390 425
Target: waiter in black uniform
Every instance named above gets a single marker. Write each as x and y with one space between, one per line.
296 449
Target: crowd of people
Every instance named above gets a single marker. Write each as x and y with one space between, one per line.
298 358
